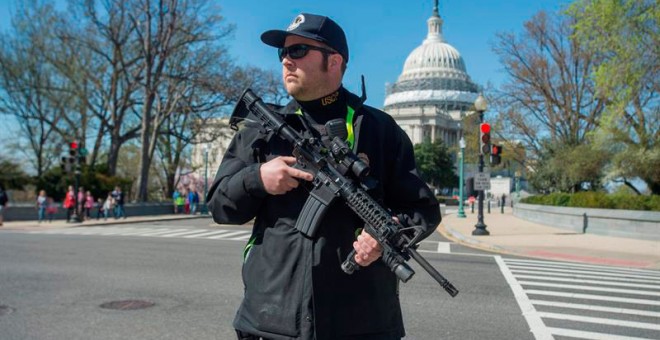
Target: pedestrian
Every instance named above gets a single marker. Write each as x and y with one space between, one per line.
503 200
175 200
89 204
99 208
42 203
69 203
294 287
51 209
4 199
180 202
186 207
108 206
80 204
193 197
118 197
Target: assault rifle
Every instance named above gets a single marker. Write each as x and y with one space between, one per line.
330 160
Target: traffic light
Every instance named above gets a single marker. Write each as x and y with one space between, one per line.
484 138
73 149
496 154
66 164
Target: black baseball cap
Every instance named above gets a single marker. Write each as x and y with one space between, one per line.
311 26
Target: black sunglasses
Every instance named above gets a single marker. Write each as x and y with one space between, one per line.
298 51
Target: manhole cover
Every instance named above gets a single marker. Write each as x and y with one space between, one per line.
4 310
127 304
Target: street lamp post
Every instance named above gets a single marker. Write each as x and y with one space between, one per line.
518 174
480 106
461 157
206 178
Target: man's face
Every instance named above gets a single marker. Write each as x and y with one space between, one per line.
306 78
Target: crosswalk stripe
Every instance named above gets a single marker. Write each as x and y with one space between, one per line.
593 297
114 231
535 323
444 247
88 230
181 233
160 232
225 236
601 321
595 308
241 238
137 231
624 295
587 276
601 274
570 269
590 288
600 268
571 333
186 232
582 281
208 233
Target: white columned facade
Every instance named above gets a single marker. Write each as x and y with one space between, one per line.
434 91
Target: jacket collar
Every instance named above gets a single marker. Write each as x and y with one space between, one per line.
351 99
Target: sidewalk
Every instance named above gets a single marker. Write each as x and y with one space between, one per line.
58 224
513 236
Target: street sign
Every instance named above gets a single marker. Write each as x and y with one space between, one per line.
482 181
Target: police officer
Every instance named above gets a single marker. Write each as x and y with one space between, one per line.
294 285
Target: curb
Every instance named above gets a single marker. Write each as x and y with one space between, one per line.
471 242
27 225
467 241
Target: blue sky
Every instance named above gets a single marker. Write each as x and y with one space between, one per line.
381 34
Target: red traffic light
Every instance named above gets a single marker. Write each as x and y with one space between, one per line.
485 128
495 150
73 145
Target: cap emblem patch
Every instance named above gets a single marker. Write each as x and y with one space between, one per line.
296 22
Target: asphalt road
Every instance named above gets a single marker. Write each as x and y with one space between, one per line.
181 280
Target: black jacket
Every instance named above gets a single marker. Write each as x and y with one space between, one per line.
294 286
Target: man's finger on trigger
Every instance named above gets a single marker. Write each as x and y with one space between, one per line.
289 160
300 174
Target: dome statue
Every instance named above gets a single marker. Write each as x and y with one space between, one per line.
434 91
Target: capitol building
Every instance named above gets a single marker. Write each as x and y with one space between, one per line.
434 91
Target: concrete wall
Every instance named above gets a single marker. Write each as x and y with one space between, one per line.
26 212
643 225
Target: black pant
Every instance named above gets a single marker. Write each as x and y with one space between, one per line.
246 336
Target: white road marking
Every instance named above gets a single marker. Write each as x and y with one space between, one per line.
444 247
596 308
208 233
224 236
571 333
536 325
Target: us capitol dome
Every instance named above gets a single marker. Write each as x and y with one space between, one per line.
434 91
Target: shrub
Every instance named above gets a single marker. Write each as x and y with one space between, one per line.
598 200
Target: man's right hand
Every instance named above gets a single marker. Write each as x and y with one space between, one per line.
279 177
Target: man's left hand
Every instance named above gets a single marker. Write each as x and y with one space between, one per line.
367 249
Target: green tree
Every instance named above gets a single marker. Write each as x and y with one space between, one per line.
549 101
624 36
568 168
435 164
11 175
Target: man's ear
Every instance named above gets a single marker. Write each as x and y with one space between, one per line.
335 60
